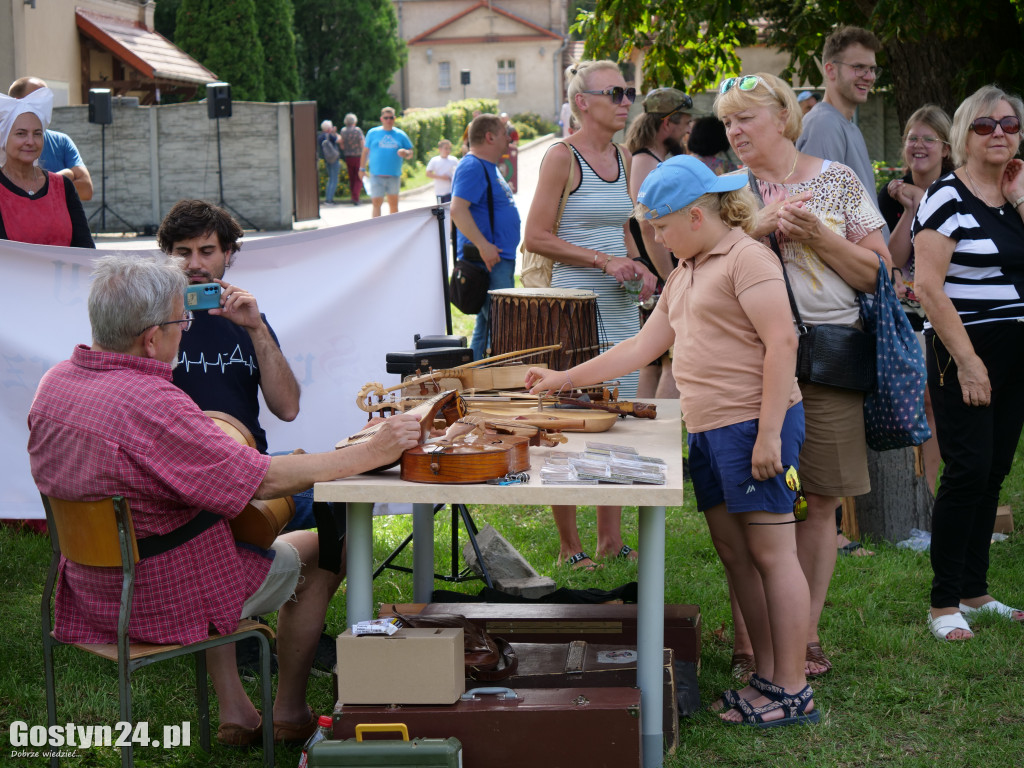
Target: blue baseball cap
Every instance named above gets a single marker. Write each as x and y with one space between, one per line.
680 180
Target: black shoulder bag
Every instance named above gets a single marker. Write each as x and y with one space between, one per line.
834 355
471 279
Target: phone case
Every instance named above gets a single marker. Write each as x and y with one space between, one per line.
204 296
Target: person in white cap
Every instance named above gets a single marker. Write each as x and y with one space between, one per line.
35 206
726 313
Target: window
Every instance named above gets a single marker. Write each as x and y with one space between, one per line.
506 76
444 75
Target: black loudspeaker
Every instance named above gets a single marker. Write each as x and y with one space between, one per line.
101 107
464 76
218 100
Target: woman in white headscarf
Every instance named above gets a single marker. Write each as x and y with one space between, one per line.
35 206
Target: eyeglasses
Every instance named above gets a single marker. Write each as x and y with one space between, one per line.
928 140
387 117
793 483
617 93
860 70
186 323
686 103
983 126
745 83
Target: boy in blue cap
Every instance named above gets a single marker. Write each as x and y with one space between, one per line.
725 311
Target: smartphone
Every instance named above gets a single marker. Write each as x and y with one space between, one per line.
202 296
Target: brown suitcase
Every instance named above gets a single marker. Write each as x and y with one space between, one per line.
580 664
592 727
606 623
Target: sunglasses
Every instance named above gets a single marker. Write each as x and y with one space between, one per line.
617 93
687 103
387 117
745 83
983 126
793 483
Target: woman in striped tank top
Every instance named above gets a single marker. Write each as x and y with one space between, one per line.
969 277
592 249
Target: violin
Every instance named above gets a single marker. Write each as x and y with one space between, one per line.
262 520
449 405
473 458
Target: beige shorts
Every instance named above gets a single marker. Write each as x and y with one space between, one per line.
280 583
834 459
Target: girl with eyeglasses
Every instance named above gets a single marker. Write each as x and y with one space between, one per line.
927 156
592 248
969 248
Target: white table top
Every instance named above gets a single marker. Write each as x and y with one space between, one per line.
660 437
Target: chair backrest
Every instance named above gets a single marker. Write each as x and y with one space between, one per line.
87 531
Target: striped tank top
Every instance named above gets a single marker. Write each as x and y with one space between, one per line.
593 218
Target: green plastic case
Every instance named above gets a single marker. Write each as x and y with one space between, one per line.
416 753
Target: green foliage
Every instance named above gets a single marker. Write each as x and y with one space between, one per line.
165 17
280 67
530 125
348 53
933 51
223 36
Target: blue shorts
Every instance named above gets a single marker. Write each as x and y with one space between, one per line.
381 186
720 467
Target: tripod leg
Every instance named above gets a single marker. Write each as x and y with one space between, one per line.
472 531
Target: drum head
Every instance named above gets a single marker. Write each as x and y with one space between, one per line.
546 293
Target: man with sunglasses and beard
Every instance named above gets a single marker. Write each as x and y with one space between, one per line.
848 60
383 152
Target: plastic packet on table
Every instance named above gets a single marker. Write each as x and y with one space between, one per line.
562 474
584 466
561 458
606 448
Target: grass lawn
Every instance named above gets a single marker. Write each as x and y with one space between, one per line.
896 697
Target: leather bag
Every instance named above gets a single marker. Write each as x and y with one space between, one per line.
894 414
487 658
469 285
837 356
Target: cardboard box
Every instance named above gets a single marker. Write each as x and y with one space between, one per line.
1004 520
412 666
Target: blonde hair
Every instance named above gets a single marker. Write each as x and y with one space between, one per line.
935 118
578 75
783 99
737 208
977 105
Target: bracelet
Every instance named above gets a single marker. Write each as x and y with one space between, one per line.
1018 201
604 267
568 380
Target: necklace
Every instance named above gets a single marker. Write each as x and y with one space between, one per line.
30 189
792 170
980 196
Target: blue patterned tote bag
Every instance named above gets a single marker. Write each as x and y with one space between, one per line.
894 412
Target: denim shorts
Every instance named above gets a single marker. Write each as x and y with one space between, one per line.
720 467
381 186
280 583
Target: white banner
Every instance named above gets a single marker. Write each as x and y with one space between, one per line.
338 299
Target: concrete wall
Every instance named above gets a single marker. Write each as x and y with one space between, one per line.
156 156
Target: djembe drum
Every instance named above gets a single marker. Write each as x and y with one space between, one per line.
523 318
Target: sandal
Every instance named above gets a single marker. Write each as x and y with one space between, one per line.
994 606
628 553
235 735
743 666
576 562
295 734
815 656
942 626
793 706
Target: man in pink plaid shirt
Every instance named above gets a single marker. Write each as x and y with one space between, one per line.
109 421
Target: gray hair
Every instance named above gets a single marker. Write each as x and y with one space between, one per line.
132 291
326 125
978 104
351 119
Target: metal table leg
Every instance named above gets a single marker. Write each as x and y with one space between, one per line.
651 632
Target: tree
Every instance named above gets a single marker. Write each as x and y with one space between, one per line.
348 53
280 67
222 35
934 51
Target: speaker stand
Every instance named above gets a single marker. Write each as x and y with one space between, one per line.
102 210
220 182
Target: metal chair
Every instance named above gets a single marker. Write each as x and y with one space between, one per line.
101 533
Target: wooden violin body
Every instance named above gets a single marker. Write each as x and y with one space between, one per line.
473 458
262 520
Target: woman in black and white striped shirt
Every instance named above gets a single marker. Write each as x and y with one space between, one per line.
969 246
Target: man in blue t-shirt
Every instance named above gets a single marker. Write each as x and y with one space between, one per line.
495 243
383 152
60 155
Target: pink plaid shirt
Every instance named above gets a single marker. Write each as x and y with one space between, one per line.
105 424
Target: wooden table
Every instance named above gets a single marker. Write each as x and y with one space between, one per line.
661 437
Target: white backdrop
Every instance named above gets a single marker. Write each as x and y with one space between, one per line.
338 298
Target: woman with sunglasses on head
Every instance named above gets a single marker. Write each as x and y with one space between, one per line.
35 206
927 156
824 226
969 248
592 248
